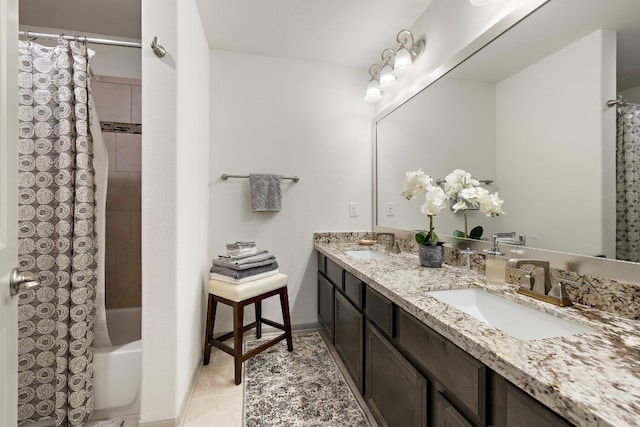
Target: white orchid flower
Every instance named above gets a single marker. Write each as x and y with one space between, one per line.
473 195
435 200
461 204
457 181
491 205
415 182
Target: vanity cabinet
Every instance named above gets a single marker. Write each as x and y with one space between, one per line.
395 391
458 378
447 415
409 374
349 337
326 295
516 408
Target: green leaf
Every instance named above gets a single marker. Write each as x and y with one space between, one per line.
458 233
433 239
421 237
476 232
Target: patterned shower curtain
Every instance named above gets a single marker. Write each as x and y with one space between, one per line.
628 183
56 234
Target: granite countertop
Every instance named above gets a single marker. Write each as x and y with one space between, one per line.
591 379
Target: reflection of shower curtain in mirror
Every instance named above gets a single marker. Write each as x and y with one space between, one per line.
628 183
57 237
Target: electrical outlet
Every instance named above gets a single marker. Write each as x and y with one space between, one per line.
391 209
353 208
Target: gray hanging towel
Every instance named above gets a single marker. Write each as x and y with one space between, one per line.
266 192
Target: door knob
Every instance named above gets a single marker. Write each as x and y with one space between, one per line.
22 281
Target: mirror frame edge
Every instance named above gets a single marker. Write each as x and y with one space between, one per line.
612 269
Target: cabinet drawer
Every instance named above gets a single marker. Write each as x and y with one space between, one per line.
354 289
463 377
335 273
322 263
379 310
525 411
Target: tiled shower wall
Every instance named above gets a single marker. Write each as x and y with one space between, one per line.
119 100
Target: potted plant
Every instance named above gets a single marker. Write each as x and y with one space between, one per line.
468 194
430 249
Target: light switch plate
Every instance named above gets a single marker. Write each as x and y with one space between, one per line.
353 208
391 209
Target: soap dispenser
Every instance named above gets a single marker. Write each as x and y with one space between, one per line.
496 263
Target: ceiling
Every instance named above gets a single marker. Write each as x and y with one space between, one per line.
120 18
548 29
342 32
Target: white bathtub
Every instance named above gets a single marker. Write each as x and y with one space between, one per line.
117 369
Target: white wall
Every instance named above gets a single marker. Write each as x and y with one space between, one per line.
538 131
289 117
175 164
109 60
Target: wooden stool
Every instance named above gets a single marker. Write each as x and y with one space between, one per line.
239 296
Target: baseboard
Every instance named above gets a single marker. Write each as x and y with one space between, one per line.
178 421
164 423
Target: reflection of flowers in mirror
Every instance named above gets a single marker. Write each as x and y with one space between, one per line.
460 186
468 194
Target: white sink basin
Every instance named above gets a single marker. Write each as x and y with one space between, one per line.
365 254
508 316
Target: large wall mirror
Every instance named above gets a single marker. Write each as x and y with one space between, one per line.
529 112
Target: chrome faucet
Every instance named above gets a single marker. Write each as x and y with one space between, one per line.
392 245
537 283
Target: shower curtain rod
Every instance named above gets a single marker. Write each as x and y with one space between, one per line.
31 35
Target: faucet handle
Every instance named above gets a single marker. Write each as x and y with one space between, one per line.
559 291
543 284
527 281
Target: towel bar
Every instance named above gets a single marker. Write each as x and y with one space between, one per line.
225 176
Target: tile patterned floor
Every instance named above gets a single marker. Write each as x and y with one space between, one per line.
216 400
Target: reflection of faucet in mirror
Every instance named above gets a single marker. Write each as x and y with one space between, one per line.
537 283
392 245
510 238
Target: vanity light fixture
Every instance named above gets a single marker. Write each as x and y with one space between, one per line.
373 88
387 78
408 51
400 57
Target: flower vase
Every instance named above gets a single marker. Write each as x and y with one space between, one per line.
431 256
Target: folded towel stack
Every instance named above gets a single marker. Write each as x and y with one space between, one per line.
242 263
241 248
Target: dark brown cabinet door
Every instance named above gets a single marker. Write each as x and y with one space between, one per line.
525 411
447 415
325 304
349 337
462 376
394 391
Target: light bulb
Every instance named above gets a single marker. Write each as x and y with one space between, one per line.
373 92
402 60
387 79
